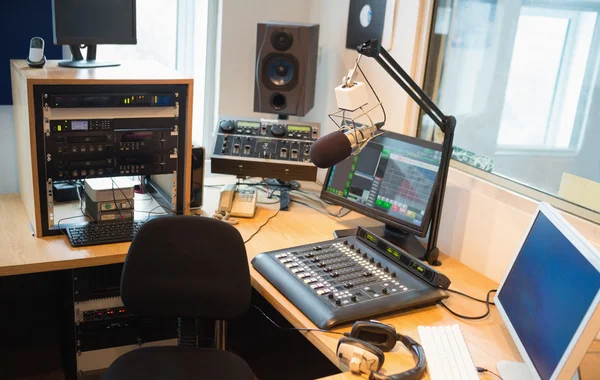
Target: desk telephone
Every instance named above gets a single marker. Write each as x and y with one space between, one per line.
238 203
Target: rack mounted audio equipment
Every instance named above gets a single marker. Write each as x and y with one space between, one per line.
352 278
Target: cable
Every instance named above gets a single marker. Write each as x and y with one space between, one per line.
487 305
114 199
374 93
69 217
293 328
482 370
468 296
261 226
325 212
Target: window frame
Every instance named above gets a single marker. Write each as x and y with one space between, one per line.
433 61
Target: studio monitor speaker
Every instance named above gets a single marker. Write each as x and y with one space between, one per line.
286 68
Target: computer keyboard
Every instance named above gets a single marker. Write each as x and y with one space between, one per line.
105 233
448 357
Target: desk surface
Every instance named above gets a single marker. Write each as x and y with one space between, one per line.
488 340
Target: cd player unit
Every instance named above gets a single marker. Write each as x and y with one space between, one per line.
265 148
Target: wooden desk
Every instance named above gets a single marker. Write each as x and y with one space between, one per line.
488 340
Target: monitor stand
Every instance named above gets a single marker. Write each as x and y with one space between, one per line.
399 238
90 60
518 371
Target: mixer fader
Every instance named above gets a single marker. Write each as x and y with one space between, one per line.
347 279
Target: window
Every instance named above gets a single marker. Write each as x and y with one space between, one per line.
176 33
521 77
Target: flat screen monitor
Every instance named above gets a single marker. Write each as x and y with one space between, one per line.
392 180
92 23
549 299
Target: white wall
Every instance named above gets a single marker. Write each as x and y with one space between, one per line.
8 153
238 48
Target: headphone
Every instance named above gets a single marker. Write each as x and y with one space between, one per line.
362 350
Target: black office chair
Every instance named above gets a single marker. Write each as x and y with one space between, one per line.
191 268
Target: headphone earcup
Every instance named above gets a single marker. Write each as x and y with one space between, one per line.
347 348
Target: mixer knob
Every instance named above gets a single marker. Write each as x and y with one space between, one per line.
338 301
225 139
226 126
317 248
309 255
351 246
327 270
335 274
330 296
378 265
386 269
371 260
321 265
364 255
384 291
353 298
315 260
348 285
277 130
393 274
345 242
367 274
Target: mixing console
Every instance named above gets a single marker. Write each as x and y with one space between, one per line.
352 278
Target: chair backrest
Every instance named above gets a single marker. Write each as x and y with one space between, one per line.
187 266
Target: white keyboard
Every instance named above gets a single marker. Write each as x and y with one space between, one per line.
447 354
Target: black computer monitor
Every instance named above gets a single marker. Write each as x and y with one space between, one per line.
393 180
92 23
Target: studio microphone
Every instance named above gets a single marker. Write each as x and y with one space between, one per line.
337 146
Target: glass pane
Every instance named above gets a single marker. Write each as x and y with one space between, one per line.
522 81
156 35
532 79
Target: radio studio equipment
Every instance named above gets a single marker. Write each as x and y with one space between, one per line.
352 137
352 95
351 278
362 350
103 203
265 148
286 68
100 132
100 328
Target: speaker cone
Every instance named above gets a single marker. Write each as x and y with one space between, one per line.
280 72
282 40
278 101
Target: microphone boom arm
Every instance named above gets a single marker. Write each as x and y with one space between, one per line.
447 124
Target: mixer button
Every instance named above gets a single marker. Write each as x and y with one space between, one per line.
321 265
315 260
367 274
297 270
309 281
394 290
308 256
292 265
327 270
323 292
317 248
279 256
348 285
335 274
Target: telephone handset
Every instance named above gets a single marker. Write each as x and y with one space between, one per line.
238 203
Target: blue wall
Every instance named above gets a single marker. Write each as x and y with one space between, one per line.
20 20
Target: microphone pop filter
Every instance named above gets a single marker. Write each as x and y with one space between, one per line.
330 150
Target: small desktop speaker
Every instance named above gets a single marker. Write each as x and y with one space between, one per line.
286 68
